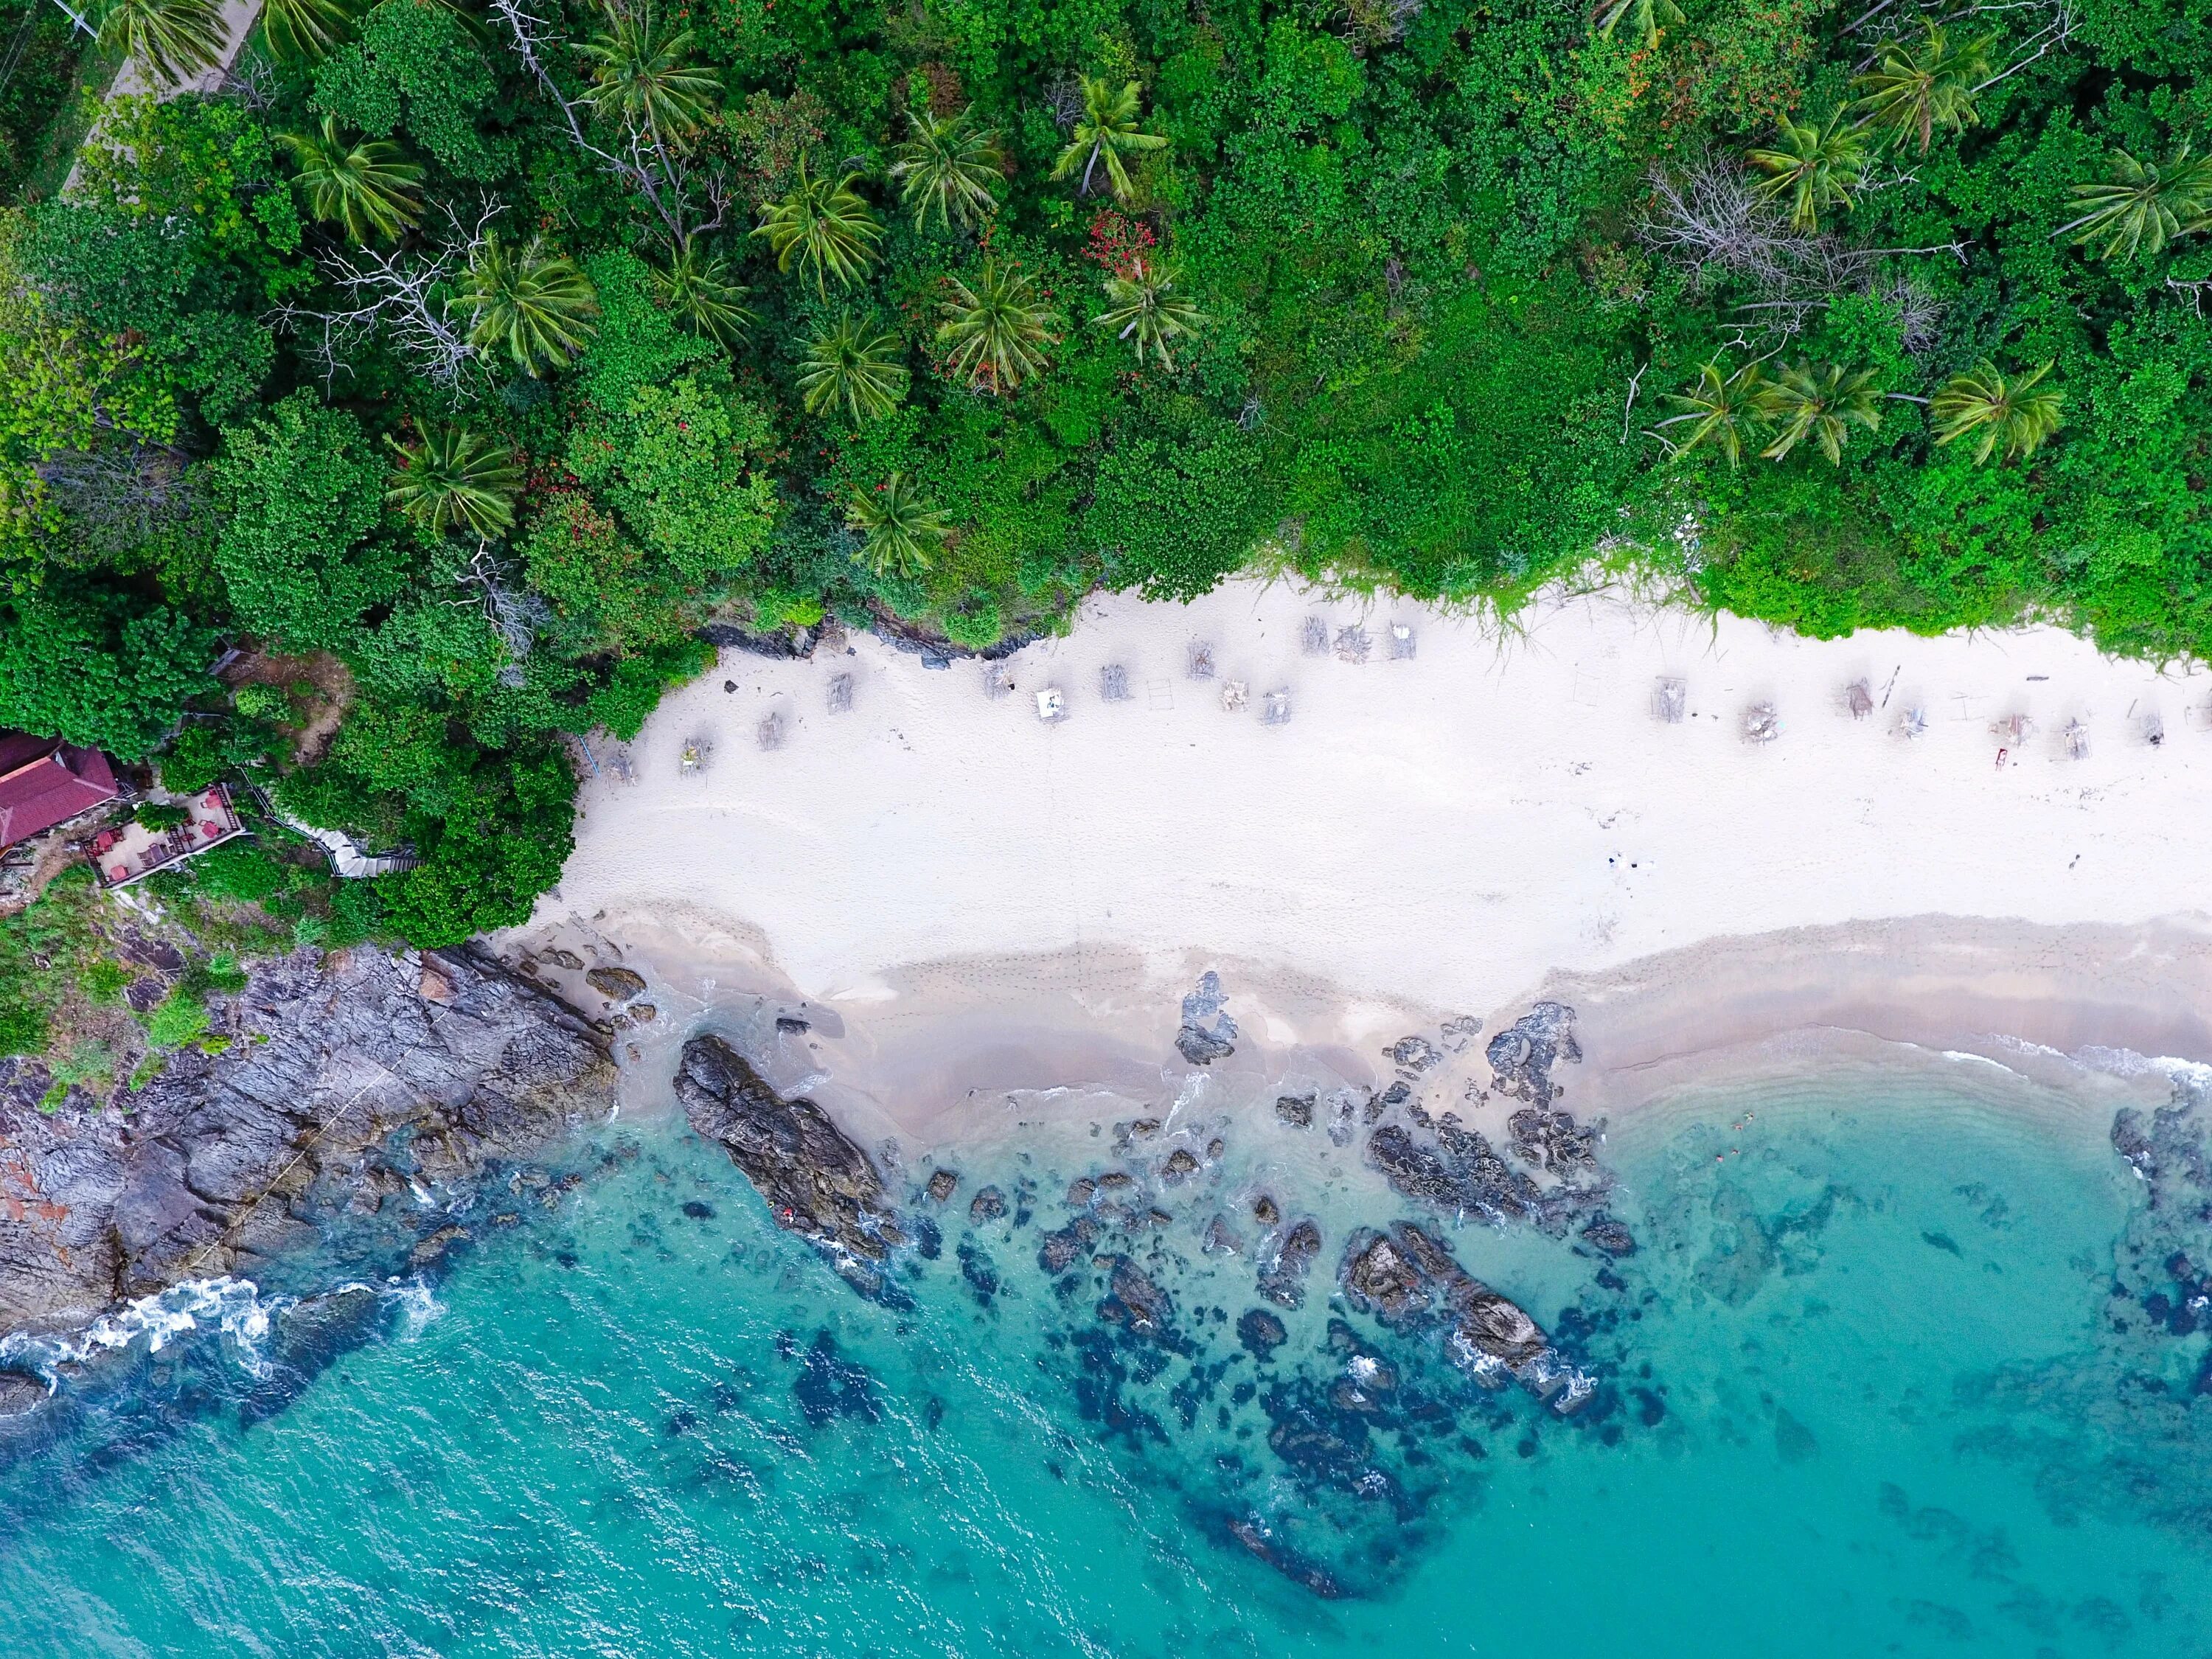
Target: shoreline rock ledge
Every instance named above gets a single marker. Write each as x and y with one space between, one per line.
817 1182
349 1079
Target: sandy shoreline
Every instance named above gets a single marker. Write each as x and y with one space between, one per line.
977 900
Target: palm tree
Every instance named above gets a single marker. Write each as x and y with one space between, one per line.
365 185
2140 207
176 39
902 530
996 330
696 287
304 28
1814 166
1646 16
534 305
2015 414
452 479
1821 403
1144 309
825 226
947 165
1720 408
854 365
642 77
1919 86
1106 132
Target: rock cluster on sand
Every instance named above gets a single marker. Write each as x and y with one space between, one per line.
348 1069
817 1182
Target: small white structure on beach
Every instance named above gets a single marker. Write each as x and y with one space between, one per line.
1051 706
1761 723
1670 700
1234 693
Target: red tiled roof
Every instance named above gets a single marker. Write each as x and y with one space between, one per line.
45 781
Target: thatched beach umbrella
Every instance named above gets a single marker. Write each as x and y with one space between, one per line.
1233 693
1313 636
1858 697
1761 724
769 733
1202 660
1911 723
1275 707
1352 643
1670 700
841 694
2154 728
2077 737
1114 684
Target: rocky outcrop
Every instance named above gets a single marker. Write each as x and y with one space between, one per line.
817 1183
1407 1279
1522 1055
347 1077
1207 1033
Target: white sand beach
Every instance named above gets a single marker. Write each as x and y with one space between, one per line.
1464 820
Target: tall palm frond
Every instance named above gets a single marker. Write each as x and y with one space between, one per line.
2022 414
2141 206
946 166
1815 166
535 306
366 185
1919 86
997 330
902 530
825 228
697 287
1645 18
642 75
1720 412
1821 402
855 366
176 39
304 28
1144 309
452 479
1105 134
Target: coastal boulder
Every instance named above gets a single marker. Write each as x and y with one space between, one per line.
1407 1279
817 1182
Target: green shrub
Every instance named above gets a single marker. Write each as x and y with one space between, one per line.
104 980
178 1018
159 815
23 1026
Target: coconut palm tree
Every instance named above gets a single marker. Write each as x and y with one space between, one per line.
1645 18
304 28
452 479
2142 206
1106 132
996 331
1822 402
855 366
946 165
176 39
902 530
1144 309
825 228
696 287
1720 410
534 305
1815 166
366 185
643 76
1919 86
2015 413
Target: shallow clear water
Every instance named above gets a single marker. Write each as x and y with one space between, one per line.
1862 1392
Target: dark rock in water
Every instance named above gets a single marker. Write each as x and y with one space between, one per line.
20 1393
1261 1333
1283 1279
1459 1172
1523 1053
1135 1303
1264 1210
619 983
817 1183
221 1157
1610 1236
1552 1141
988 1205
1413 1055
698 1210
1144 1129
1261 1543
1296 1110
981 1273
792 1025
1408 1280
1058 1251
1115 1180
829 1386
942 1185
1179 1165
1221 1238
1207 1033
1081 1192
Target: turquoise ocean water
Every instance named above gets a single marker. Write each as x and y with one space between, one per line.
1886 1375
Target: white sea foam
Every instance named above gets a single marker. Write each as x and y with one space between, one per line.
233 1307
